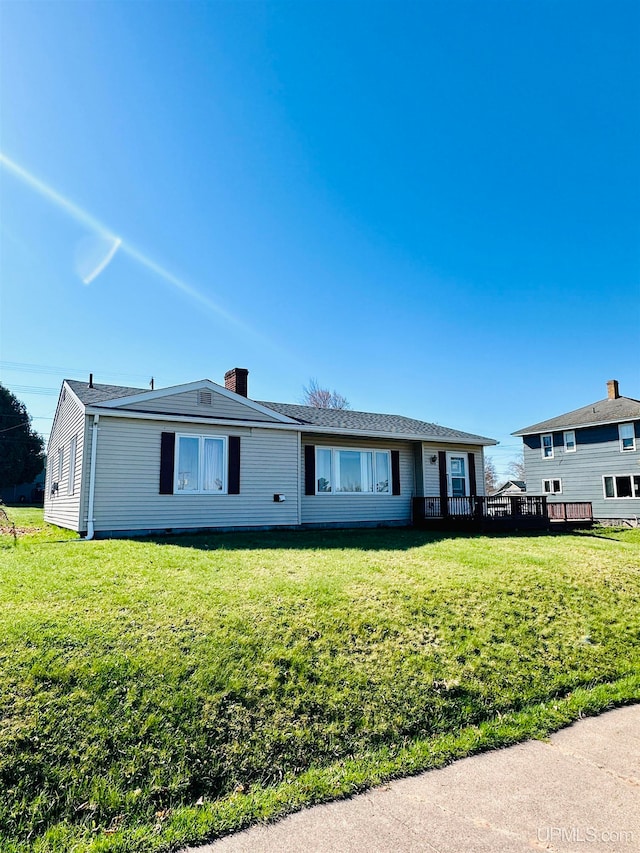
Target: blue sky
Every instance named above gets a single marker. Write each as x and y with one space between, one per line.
432 207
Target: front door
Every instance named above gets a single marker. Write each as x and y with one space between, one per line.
457 475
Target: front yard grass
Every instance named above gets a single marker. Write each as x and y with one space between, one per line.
156 693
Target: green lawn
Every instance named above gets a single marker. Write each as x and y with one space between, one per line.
154 693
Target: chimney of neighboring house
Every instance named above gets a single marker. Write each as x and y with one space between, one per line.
612 389
236 380
91 380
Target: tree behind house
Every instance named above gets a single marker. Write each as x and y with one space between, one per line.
21 448
323 398
516 467
490 476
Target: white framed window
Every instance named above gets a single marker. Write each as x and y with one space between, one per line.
348 471
458 475
201 465
621 486
552 487
73 448
627 437
60 465
569 441
547 446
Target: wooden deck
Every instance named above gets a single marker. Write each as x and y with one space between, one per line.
497 512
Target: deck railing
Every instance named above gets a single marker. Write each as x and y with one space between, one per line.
570 511
500 510
479 506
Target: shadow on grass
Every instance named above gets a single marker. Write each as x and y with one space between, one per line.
378 539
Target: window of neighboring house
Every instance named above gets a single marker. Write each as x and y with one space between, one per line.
201 465
570 441
73 445
624 486
342 471
60 465
552 487
547 446
627 437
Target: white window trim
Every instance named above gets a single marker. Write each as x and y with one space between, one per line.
615 496
225 464
60 465
566 448
551 481
633 435
334 468
542 438
467 483
73 450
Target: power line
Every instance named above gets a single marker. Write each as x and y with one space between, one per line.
29 367
34 389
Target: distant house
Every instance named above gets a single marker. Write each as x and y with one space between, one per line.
27 493
512 487
204 456
590 454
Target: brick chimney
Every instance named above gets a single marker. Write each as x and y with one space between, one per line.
236 380
612 389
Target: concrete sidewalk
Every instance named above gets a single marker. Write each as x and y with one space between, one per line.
578 791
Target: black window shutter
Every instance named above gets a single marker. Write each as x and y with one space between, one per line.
395 472
167 462
473 486
309 469
442 466
233 479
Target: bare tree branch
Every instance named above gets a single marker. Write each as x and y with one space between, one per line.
323 398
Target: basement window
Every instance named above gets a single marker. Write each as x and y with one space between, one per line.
625 486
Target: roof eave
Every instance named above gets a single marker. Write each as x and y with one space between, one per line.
540 428
98 409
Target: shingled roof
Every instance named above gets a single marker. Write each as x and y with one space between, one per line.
100 393
604 411
350 421
343 420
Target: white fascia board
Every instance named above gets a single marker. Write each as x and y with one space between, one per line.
70 390
434 439
65 387
131 400
289 425
542 429
168 417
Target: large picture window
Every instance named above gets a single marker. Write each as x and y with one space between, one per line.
343 471
200 465
624 486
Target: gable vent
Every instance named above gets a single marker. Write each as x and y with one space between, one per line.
205 398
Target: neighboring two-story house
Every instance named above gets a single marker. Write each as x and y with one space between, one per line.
590 454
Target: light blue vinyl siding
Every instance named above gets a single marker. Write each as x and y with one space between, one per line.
597 454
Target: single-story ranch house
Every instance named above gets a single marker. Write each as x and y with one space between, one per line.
202 456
